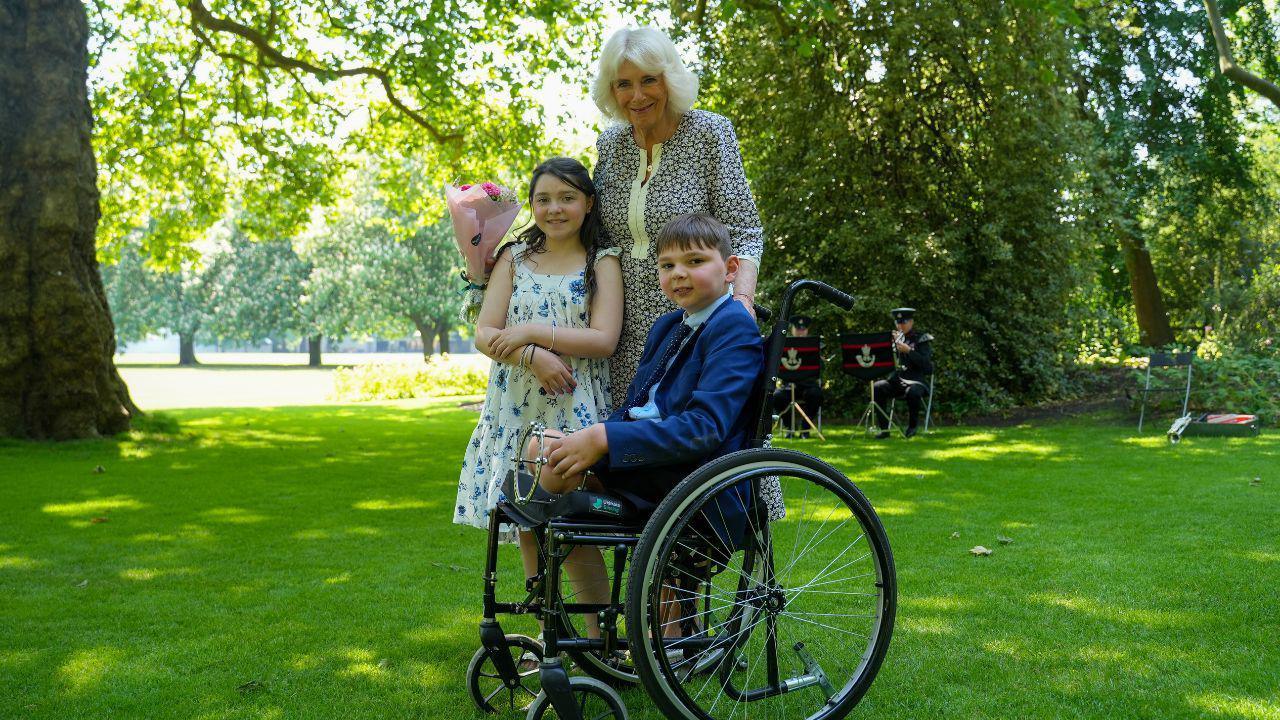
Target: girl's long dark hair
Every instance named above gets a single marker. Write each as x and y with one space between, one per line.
592 234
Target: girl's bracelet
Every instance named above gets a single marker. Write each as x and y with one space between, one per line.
552 348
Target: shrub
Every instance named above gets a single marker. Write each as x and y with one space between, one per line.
441 376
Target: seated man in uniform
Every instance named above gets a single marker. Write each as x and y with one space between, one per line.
910 379
808 392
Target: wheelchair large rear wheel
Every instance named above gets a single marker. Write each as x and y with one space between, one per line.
731 615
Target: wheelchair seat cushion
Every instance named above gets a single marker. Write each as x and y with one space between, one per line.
542 506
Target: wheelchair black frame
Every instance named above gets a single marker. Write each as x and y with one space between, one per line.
558 537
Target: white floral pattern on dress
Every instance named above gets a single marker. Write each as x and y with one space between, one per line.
699 170
515 398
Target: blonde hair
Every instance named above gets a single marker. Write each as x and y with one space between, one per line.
653 52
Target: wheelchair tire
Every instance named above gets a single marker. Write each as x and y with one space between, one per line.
790 618
486 684
595 701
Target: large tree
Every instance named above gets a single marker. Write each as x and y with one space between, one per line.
57 378
177 298
202 103
1173 181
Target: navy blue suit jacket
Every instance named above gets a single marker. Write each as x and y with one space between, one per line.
702 398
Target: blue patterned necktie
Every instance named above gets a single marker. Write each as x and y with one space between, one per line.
677 337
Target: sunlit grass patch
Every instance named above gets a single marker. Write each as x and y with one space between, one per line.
307 555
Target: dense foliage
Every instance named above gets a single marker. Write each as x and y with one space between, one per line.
916 155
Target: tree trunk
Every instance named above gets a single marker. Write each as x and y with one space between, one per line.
1148 302
57 376
442 331
187 349
427 331
313 350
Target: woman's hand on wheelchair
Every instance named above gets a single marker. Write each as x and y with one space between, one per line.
552 372
577 452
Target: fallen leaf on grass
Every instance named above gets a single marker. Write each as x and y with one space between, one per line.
955 535
98 470
251 686
1003 540
384 663
979 550
1255 482
99 519
82 584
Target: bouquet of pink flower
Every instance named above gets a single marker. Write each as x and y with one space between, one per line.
482 214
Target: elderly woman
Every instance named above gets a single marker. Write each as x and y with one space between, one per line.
659 160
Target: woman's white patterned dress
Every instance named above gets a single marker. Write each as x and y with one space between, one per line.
698 170
515 398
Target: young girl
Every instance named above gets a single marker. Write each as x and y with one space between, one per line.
551 317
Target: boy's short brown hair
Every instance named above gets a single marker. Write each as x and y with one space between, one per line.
695 230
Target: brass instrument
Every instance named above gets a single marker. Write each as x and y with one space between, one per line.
901 337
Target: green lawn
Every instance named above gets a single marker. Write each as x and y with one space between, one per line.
300 562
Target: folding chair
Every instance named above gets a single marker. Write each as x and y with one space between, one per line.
1157 360
928 407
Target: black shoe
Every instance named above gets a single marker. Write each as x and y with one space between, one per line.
910 432
882 434
804 435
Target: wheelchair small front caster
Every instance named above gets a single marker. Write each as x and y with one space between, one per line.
588 699
486 682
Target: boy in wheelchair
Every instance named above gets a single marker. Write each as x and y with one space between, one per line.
685 405
709 587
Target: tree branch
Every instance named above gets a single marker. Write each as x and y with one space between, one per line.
201 17
1227 63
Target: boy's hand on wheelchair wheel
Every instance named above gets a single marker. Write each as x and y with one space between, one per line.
552 372
578 451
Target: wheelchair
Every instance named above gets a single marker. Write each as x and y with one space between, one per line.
762 585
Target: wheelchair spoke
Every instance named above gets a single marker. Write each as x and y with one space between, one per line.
837 592
809 545
793 616
823 572
814 537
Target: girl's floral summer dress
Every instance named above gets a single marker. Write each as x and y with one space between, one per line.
515 398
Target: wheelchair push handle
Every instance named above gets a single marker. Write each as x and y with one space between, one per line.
833 295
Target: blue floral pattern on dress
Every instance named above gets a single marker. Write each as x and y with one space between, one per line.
515 398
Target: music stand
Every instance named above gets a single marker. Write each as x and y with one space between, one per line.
869 357
801 361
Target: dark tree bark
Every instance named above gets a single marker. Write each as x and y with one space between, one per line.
313 350
427 332
187 349
57 376
1148 302
442 332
